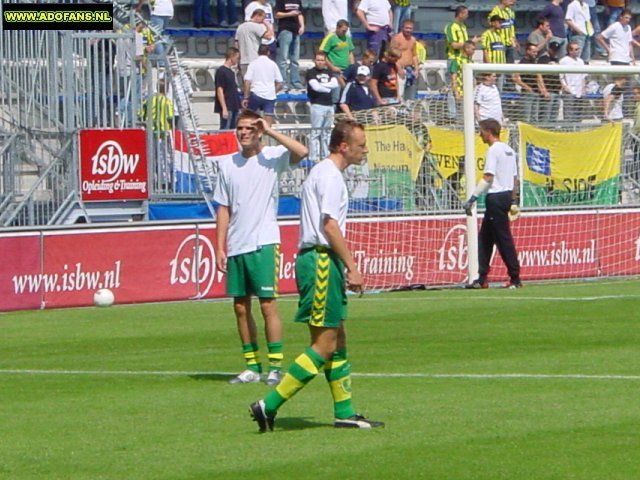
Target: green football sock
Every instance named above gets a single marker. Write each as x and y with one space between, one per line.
251 357
338 373
275 356
302 371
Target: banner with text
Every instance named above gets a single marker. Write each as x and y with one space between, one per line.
394 159
159 263
447 151
113 165
564 168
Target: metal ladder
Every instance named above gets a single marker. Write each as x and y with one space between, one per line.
205 172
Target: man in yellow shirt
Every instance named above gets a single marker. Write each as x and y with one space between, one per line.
507 27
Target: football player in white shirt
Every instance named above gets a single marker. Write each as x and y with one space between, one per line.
500 182
320 274
248 237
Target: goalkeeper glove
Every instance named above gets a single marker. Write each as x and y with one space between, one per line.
469 204
514 213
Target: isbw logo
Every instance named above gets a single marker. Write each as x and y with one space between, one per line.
195 263
453 254
112 161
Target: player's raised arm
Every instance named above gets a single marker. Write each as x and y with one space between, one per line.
297 149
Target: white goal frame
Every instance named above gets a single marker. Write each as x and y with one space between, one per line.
469 72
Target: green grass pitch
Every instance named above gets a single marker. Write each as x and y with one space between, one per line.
538 383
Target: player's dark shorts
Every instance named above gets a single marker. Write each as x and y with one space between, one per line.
321 284
254 272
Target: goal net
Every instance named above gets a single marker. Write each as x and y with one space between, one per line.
574 130
578 171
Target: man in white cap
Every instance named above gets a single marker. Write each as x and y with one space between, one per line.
356 95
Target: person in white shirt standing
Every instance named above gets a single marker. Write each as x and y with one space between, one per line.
500 183
613 95
324 267
376 18
486 99
248 237
578 20
332 12
261 83
617 40
573 85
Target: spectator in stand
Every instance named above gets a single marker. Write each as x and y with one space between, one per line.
574 85
321 83
541 36
531 84
261 84
384 79
332 12
161 119
202 14
405 43
456 34
549 104
269 21
507 28
613 95
617 40
613 9
486 99
249 36
161 14
369 57
454 99
401 12
356 95
555 14
227 102
290 28
262 5
494 49
231 13
376 18
597 29
578 19
338 47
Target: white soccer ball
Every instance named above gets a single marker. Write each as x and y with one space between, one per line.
103 298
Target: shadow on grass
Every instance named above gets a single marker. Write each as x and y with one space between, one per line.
215 377
298 423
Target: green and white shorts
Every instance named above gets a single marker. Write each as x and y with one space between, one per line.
321 284
254 272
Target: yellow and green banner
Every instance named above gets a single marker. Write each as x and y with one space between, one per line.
394 157
447 151
563 168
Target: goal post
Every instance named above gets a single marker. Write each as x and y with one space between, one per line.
578 118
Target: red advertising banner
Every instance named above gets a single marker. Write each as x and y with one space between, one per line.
145 264
113 165
20 276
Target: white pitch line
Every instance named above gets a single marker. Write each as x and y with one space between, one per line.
388 298
472 376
